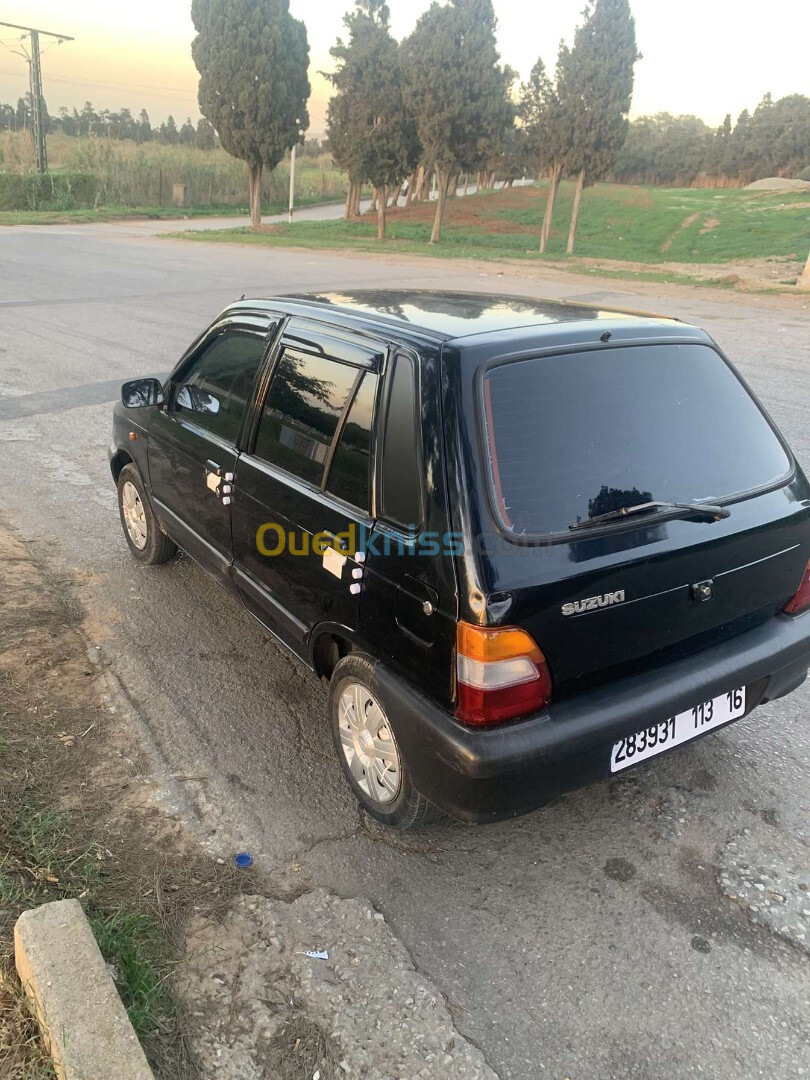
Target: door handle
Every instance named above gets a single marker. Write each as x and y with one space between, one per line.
212 468
334 542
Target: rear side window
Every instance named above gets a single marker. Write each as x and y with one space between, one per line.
301 413
217 386
350 471
572 436
400 465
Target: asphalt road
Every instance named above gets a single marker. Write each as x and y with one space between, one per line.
593 939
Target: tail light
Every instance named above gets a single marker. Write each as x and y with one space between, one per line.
501 674
801 600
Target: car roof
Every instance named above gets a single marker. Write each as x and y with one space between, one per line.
444 316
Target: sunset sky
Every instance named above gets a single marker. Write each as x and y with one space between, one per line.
707 57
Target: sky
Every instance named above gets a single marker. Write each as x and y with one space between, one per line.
706 57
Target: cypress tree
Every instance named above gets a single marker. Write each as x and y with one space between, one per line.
545 116
252 56
597 76
456 89
370 132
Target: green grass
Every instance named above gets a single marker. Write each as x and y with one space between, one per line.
138 950
117 213
47 864
633 224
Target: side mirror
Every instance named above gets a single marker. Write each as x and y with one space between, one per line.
139 393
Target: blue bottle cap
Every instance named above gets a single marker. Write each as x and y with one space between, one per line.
243 860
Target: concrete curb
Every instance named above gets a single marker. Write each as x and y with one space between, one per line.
74 998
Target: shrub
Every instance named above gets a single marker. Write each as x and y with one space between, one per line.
125 173
50 191
13 191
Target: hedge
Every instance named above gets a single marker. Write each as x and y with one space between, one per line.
49 191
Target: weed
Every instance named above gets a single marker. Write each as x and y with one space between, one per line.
139 953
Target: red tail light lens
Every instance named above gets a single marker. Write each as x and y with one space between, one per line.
501 674
801 600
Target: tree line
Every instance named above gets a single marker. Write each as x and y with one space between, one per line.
774 140
439 103
108 124
122 124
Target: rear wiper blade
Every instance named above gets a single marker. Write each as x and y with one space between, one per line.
699 511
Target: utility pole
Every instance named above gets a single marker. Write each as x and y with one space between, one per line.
292 184
39 115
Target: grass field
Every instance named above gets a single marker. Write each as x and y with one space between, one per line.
644 225
128 176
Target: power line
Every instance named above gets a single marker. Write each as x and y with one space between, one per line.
35 77
119 85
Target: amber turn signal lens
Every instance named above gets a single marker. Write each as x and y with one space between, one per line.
499 643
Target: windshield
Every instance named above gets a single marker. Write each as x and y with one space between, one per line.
573 436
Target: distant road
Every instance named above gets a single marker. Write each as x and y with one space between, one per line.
156 226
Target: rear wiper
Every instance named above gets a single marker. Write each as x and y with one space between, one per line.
698 511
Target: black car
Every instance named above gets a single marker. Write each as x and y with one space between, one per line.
529 543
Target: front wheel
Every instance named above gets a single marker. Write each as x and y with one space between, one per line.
367 748
147 541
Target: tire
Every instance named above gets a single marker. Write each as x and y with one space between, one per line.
367 749
147 542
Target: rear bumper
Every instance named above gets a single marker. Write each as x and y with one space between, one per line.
481 776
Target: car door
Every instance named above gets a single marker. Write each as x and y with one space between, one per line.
193 439
304 484
409 590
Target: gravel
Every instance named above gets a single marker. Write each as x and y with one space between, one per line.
772 884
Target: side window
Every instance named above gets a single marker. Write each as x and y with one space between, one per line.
400 464
304 404
350 471
216 388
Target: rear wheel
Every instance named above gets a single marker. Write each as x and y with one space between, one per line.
147 541
367 748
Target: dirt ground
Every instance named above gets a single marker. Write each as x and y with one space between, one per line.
217 983
744 275
78 818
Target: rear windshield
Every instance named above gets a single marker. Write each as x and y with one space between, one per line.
572 436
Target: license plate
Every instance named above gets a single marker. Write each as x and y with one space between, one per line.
677 729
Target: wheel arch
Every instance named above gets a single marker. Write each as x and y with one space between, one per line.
117 462
329 644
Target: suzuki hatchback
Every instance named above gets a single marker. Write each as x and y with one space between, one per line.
529 543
